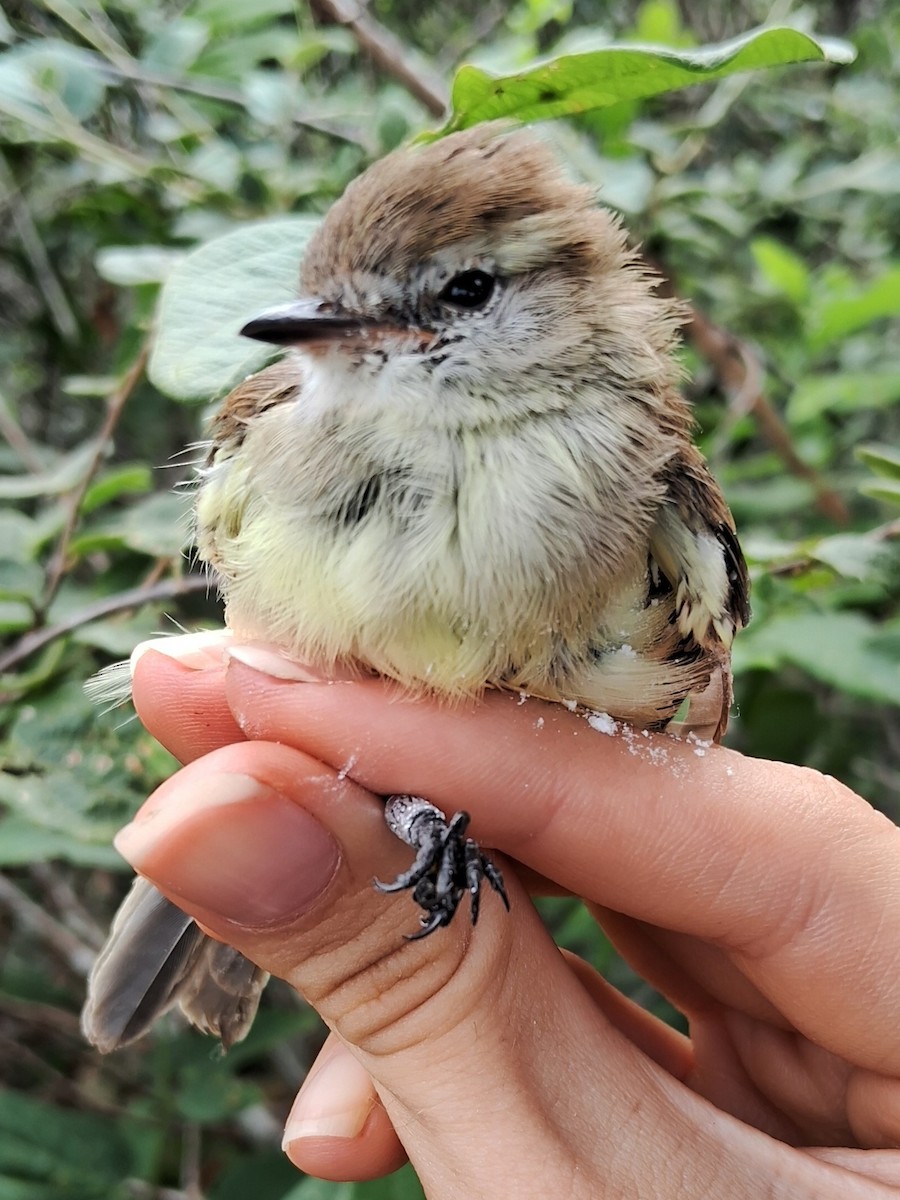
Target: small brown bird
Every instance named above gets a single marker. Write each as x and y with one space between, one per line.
473 469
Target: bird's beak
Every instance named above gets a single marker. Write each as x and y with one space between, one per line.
309 322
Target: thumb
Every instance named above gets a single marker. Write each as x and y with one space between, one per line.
275 853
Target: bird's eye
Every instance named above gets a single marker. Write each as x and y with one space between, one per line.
468 290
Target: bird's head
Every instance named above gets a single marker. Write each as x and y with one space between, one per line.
471 274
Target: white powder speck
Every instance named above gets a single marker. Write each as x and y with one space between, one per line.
699 751
571 705
523 696
348 766
603 723
539 724
626 651
729 770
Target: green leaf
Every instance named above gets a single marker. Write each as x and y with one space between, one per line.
844 312
841 649
263 1174
159 525
579 83
198 353
783 269
855 556
883 460
44 73
121 481
18 535
887 490
59 1152
210 1092
65 474
15 616
20 580
230 15
842 392
22 842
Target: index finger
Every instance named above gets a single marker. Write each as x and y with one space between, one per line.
791 873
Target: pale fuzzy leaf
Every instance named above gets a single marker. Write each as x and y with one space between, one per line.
197 352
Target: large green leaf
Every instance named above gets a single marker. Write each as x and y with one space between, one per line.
53 1152
578 83
211 293
842 649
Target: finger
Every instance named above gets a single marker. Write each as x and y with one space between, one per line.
880 1165
289 884
338 1127
659 1041
465 1034
795 876
179 693
183 704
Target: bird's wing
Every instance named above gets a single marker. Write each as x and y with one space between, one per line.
695 549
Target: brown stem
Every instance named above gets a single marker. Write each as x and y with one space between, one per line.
79 956
385 50
117 401
37 639
741 375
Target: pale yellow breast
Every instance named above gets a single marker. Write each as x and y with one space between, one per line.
474 560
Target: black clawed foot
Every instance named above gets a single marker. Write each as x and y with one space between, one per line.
448 864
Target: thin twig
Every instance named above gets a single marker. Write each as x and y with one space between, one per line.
211 89
67 903
37 639
191 1160
79 956
386 51
46 278
740 375
117 401
15 435
40 1015
482 28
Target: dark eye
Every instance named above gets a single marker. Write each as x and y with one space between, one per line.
468 289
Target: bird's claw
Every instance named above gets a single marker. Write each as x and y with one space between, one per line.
447 865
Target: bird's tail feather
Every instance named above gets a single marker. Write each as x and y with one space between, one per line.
156 956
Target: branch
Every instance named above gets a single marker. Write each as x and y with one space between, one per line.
47 280
740 375
15 435
37 639
385 50
117 401
79 956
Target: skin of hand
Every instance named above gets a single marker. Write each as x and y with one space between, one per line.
763 899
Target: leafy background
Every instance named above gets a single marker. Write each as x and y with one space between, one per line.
131 133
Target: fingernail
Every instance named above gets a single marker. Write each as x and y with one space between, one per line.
239 849
199 651
270 662
335 1101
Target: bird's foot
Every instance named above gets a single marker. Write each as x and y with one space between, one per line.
448 864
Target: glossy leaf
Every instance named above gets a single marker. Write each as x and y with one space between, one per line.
579 83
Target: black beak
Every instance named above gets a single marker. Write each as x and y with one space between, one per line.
304 321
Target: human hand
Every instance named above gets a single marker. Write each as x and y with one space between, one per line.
762 899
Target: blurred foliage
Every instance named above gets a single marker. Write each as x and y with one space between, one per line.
132 133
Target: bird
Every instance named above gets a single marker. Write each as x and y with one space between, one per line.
473 467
